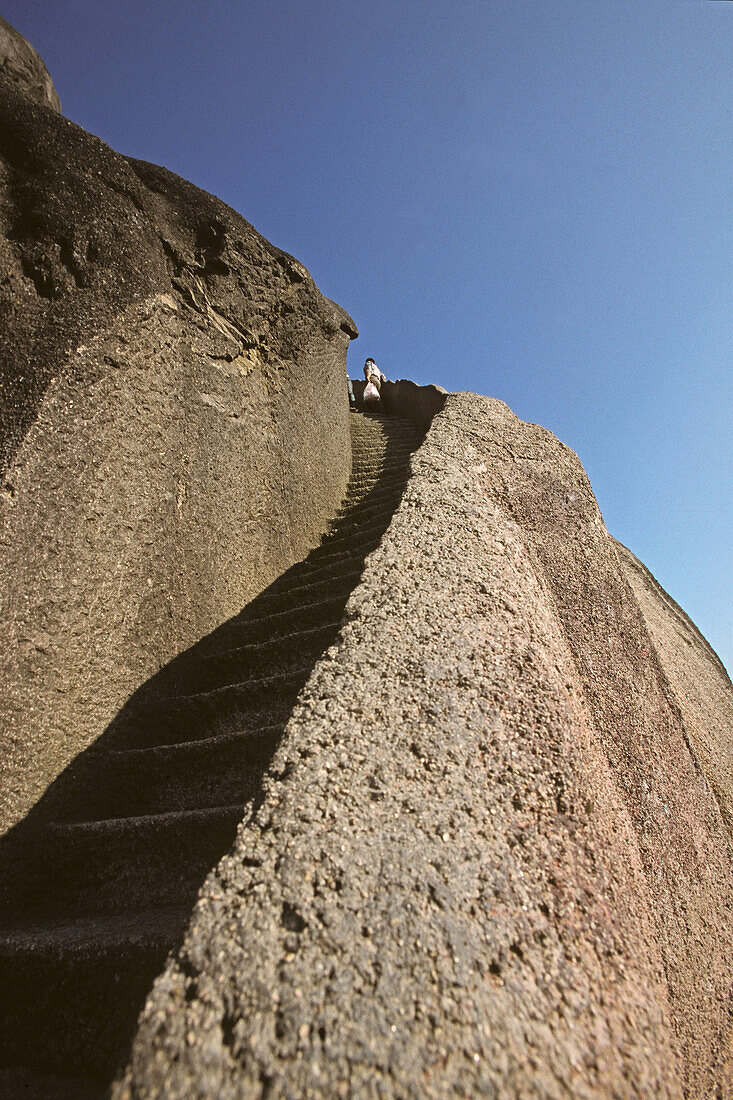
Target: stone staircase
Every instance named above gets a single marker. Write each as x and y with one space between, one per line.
101 877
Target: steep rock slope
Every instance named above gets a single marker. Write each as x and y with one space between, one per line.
98 883
21 65
487 860
701 686
158 470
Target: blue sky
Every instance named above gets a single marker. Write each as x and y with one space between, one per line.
530 200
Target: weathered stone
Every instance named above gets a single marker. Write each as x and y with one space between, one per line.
21 66
157 360
124 838
489 860
493 852
696 675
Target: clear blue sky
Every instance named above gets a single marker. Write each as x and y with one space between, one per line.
526 199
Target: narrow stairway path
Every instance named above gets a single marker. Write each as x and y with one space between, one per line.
101 877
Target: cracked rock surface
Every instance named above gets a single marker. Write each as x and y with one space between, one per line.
490 859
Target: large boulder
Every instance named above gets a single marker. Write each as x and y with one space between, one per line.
493 857
173 428
493 852
20 65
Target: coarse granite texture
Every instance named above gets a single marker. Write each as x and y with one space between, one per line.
488 861
98 881
158 470
696 674
22 66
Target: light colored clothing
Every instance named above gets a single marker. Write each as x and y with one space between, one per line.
372 373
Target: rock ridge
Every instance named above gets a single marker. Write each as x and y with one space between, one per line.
22 66
157 356
485 862
491 854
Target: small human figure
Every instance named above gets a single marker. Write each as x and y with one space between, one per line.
374 378
372 373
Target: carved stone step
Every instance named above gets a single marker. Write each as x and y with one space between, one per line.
68 987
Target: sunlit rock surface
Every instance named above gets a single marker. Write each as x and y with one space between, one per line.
492 856
20 65
158 469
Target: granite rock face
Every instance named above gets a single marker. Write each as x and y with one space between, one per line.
695 673
492 854
20 65
157 468
492 858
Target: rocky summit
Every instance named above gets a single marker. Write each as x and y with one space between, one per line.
157 354
20 65
407 780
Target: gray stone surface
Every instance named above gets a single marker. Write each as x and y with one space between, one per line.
21 66
488 861
158 470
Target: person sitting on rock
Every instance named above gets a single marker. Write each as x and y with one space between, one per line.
374 379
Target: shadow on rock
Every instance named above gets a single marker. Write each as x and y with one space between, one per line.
99 879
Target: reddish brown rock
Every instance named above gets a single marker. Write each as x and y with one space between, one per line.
491 859
492 854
